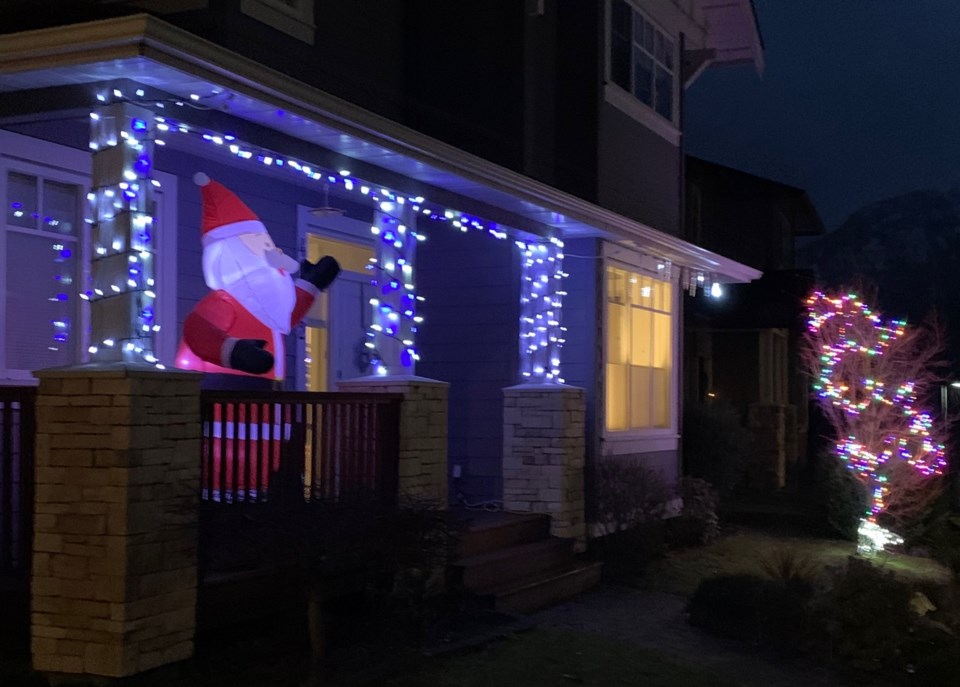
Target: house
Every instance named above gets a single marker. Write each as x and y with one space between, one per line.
743 350
533 153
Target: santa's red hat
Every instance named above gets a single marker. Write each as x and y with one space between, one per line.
224 215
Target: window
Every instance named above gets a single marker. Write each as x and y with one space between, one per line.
42 240
642 58
639 351
44 257
293 17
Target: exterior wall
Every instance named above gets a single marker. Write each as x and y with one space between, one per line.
469 338
640 172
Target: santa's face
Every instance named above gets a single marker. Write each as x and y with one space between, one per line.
241 266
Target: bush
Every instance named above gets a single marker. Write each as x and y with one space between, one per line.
631 503
715 443
866 618
698 522
752 608
841 497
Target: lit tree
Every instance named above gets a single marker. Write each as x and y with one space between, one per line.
868 374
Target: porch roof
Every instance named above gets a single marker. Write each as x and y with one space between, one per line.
156 54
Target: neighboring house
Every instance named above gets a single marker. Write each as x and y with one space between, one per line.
743 348
480 125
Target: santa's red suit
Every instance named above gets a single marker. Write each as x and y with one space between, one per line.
253 304
219 317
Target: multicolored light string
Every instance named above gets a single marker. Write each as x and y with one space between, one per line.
878 419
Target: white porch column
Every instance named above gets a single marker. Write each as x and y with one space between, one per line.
541 300
395 319
122 289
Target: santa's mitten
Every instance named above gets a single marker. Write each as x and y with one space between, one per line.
320 274
248 355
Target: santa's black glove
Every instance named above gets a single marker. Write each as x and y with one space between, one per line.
248 355
320 274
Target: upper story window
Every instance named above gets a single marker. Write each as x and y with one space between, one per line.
642 58
293 17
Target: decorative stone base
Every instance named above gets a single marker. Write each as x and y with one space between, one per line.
423 432
114 582
543 455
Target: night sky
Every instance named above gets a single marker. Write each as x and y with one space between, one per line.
859 101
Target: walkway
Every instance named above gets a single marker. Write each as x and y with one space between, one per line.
657 620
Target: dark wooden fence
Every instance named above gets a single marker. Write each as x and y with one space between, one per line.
17 431
263 456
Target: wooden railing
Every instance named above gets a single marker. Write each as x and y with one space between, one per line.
293 446
17 431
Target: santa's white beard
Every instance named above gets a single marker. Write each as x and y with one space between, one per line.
266 292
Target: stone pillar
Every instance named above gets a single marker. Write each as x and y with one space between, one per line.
543 455
114 584
423 432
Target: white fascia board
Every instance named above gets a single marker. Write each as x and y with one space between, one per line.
154 39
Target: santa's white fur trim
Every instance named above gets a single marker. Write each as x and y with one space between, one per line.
227 350
201 179
247 226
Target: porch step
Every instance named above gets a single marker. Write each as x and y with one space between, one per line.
513 563
539 592
491 531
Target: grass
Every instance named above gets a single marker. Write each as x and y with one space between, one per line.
548 658
743 551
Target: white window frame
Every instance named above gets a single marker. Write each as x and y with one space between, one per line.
652 439
36 157
625 100
293 18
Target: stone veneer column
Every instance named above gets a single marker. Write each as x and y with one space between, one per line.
423 431
114 584
543 455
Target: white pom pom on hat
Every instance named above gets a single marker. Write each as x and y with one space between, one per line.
201 179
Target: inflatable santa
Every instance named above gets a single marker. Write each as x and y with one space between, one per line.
254 301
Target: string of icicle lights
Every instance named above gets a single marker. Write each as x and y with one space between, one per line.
852 339
395 311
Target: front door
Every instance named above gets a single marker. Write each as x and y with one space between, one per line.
336 326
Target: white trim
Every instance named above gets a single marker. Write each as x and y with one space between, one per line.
226 231
643 113
633 441
296 22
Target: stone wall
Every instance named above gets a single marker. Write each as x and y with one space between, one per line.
423 432
115 549
543 455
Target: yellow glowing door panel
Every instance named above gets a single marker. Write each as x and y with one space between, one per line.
329 342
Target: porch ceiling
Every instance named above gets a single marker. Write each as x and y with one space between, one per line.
156 54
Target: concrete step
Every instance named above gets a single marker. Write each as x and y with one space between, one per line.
524 596
487 532
513 563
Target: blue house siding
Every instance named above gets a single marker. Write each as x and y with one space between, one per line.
471 283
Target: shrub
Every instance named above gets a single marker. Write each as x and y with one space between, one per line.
752 608
866 617
795 569
714 443
631 503
841 497
698 522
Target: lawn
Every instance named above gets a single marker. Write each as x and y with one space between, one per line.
548 658
744 550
